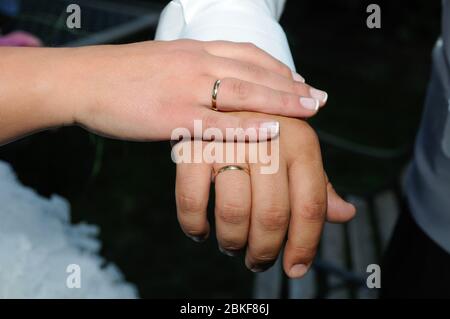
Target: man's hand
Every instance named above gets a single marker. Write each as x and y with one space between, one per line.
259 211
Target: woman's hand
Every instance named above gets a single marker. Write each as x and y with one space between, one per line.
143 91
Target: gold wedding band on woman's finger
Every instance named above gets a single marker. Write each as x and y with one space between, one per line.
215 91
229 168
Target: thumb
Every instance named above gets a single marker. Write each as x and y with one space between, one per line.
339 211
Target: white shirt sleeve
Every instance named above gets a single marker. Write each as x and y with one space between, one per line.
253 21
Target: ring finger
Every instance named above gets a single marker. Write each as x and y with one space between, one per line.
238 95
256 74
233 206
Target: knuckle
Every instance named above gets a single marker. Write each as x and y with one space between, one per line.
313 211
274 217
298 88
309 142
284 69
249 46
188 43
310 134
253 70
231 213
219 42
286 100
197 58
180 56
189 204
241 89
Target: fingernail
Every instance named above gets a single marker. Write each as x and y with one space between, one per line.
309 103
256 269
228 252
273 128
298 271
297 77
197 239
322 96
262 267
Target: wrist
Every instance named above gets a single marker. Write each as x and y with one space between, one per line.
38 86
55 86
28 92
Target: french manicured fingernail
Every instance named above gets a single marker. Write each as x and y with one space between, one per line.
297 77
322 96
197 239
309 103
228 252
298 271
272 127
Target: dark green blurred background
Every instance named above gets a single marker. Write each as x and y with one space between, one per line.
376 80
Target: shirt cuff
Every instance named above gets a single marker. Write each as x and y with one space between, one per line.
232 20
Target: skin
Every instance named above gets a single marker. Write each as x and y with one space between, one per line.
132 91
259 213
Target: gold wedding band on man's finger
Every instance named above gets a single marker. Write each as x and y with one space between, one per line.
229 168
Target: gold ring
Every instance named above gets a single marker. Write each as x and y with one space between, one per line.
230 168
215 91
